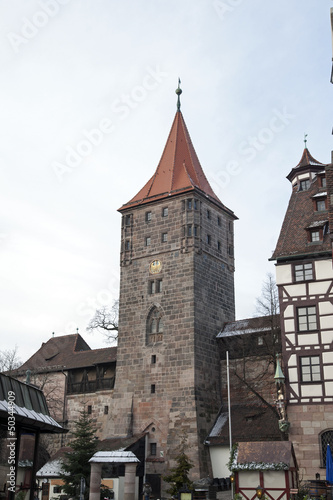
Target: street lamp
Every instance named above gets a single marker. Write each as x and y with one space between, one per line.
259 492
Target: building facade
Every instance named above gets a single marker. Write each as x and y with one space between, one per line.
176 290
304 277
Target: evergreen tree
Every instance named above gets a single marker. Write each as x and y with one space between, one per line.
178 475
76 463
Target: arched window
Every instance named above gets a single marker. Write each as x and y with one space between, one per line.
154 329
325 439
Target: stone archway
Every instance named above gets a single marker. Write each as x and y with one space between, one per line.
126 458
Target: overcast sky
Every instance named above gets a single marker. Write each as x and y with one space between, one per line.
87 96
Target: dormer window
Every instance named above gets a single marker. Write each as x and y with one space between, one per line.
315 235
316 231
320 205
323 182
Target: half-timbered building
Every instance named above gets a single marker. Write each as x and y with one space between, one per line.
304 277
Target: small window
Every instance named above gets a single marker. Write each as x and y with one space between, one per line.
323 182
304 185
152 287
303 272
165 212
208 214
218 220
189 230
260 340
320 205
315 235
310 369
196 204
230 251
230 227
153 449
195 230
219 246
158 286
307 318
127 220
127 245
148 216
106 410
89 410
152 389
164 237
209 239
326 438
189 204
56 489
148 241
153 359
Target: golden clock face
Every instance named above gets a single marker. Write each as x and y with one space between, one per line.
155 267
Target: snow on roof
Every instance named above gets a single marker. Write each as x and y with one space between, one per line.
317 223
320 194
219 424
114 456
244 326
50 469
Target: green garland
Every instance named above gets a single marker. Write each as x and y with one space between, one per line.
233 466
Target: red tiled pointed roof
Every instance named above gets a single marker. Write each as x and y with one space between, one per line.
178 171
306 162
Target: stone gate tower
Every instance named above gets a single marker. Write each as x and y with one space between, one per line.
176 290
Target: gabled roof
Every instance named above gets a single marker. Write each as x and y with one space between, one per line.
178 171
275 455
259 324
67 352
255 420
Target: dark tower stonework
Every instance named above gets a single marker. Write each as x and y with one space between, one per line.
176 291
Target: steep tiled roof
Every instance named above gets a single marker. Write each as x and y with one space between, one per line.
306 162
67 352
293 239
178 171
257 421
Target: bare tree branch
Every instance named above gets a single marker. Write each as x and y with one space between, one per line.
9 360
105 321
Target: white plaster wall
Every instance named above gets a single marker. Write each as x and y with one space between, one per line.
324 269
292 375
311 390
326 322
328 358
327 337
294 387
329 388
296 290
219 456
275 479
289 312
308 339
326 308
318 288
328 372
283 274
248 479
289 325
291 338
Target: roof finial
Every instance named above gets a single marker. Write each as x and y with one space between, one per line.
178 92
305 140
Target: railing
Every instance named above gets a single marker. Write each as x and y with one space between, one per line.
90 385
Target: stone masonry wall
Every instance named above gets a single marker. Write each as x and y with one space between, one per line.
167 383
307 422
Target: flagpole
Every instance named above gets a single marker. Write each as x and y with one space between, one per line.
229 413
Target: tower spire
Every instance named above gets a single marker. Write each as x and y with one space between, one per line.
178 92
